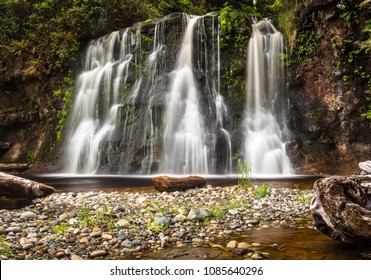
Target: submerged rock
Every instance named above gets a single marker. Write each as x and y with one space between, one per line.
341 209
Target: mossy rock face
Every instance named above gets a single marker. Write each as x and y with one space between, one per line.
327 93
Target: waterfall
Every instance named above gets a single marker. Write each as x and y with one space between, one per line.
185 151
147 100
267 102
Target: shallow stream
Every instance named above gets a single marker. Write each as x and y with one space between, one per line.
301 242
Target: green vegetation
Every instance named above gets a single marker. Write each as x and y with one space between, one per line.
234 23
355 51
283 13
244 175
67 104
157 228
101 217
261 191
5 249
60 228
306 44
220 210
305 196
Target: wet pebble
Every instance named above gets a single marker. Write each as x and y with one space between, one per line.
190 218
98 253
13 229
28 215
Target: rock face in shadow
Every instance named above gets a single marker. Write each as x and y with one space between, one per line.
341 209
169 184
326 106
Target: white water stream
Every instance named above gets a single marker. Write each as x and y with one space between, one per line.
267 102
184 149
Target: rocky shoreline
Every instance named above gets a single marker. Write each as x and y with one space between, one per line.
128 225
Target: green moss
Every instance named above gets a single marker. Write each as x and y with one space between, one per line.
233 25
67 104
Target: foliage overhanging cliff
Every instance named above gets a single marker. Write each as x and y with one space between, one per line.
328 58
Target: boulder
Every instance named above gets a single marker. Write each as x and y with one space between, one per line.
13 186
341 209
168 184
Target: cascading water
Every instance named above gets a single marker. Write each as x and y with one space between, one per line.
138 102
185 151
267 103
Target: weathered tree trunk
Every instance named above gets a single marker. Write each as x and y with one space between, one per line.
365 166
13 167
4 146
13 186
341 209
168 184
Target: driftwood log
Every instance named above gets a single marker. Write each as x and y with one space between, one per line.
169 184
13 167
13 186
365 166
341 209
4 146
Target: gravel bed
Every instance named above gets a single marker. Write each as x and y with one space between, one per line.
101 225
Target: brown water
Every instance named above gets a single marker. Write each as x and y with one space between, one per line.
280 244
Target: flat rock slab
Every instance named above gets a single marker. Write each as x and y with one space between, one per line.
341 209
169 184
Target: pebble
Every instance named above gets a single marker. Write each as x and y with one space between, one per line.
197 240
32 235
13 229
179 218
162 221
107 236
60 254
76 257
25 243
256 256
198 214
44 228
98 253
186 218
84 240
243 245
232 244
127 244
42 217
233 212
123 223
95 234
28 215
